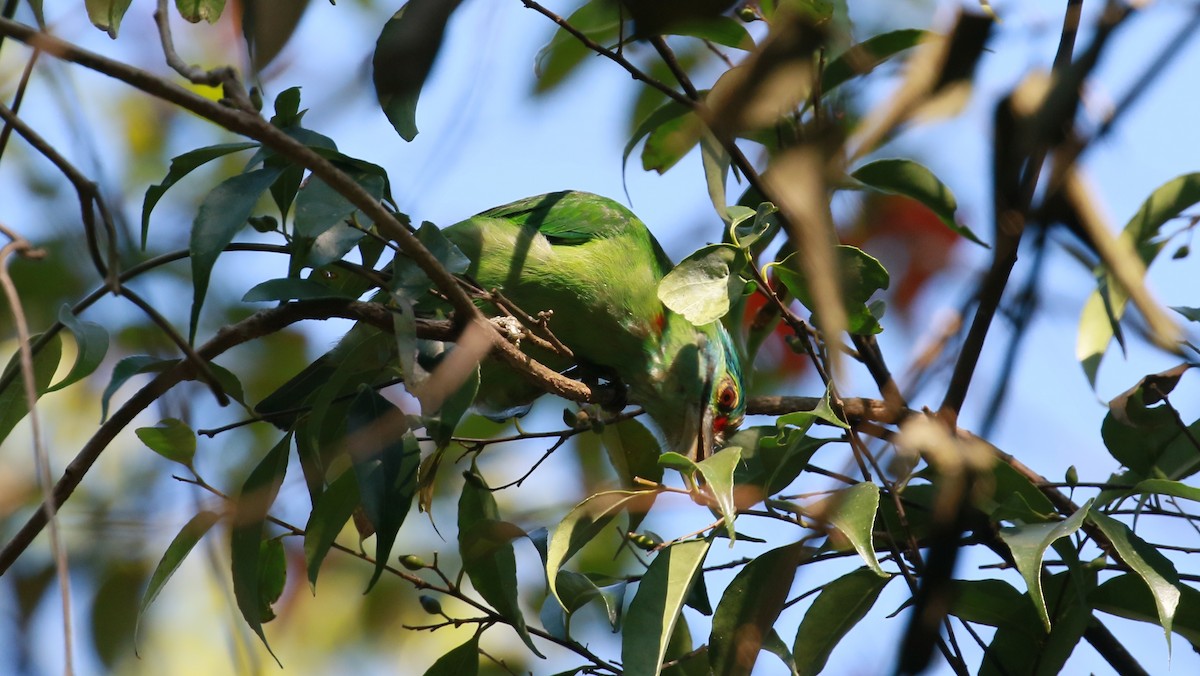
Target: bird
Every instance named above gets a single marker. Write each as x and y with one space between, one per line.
595 267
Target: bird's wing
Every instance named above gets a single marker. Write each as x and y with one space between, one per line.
569 217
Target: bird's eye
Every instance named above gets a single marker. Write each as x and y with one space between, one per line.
727 397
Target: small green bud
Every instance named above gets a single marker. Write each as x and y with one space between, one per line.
263 223
430 605
1072 476
1181 252
646 541
413 562
748 14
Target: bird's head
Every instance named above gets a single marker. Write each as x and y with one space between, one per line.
696 396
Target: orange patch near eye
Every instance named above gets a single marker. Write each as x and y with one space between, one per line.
660 322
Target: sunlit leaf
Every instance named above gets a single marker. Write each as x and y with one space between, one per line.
718 476
861 276
460 661
584 522
656 605
836 610
750 607
699 287
1029 542
854 510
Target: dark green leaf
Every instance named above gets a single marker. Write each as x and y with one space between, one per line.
908 178
461 661
441 427
633 452
320 207
1127 596
668 112
329 514
14 405
1012 651
195 11
177 551
485 545
272 576
246 539
835 611
749 608
722 30
861 276
128 368
868 55
385 457
1192 314
182 166
670 141
291 288
598 19
995 603
584 522
656 606
221 215
172 439
404 55
91 344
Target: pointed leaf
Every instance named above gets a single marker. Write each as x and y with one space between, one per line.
861 276
1127 596
404 55
246 539
835 611
1148 563
908 178
183 543
91 344
14 405
867 55
182 166
854 515
656 605
329 515
1013 651
1176 489
107 14
461 661
749 608
320 207
716 161
995 603
1029 543
172 439
699 287
126 369
485 545
584 522
666 114
598 20
221 215
718 475
385 457
195 11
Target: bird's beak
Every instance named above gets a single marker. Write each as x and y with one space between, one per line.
706 439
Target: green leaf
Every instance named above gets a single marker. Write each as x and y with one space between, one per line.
291 288
441 427
840 605
753 225
172 439
995 603
718 475
1029 543
749 608
854 510
1025 650
584 522
861 276
272 576
195 11
320 207
1148 563
404 55
126 369
908 178
1166 487
485 545
700 286
1192 314
867 55
246 539
183 543
221 215
182 166
329 515
716 161
667 114
656 605
385 458
633 452
91 344
673 138
461 661
107 14
598 20
722 30
1127 596
14 405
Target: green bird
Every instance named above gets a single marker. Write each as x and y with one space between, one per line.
596 266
